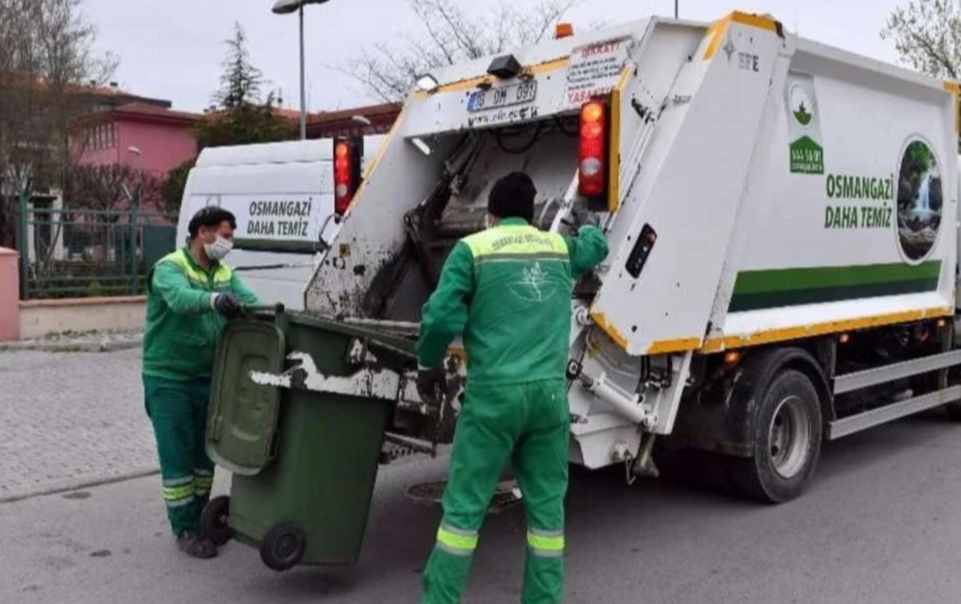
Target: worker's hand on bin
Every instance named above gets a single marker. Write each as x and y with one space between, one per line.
431 384
228 305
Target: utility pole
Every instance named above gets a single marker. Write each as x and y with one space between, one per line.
286 7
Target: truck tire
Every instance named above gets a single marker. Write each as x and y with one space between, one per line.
788 432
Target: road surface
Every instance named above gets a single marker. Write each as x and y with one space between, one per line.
881 524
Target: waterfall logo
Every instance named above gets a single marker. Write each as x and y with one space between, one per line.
920 201
534 285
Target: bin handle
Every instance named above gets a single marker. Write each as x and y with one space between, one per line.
274 446
254 308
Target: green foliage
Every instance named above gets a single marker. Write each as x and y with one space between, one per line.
242 115
920 155
927 35
172 188
245 124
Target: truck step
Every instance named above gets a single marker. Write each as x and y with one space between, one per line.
862 421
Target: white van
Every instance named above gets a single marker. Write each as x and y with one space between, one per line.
283 197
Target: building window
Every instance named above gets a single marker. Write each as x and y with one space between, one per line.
101 136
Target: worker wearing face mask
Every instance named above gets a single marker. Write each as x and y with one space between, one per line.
508 291
190 295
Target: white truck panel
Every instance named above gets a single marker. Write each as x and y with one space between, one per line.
711 123
808 244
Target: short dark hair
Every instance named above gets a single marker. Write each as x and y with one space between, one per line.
513 197
210 216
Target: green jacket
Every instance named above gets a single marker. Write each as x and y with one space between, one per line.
508 291
182 327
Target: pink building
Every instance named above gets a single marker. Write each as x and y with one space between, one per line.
140 135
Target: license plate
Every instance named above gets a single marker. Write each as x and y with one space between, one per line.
505 96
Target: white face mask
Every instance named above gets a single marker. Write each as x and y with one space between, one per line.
218 249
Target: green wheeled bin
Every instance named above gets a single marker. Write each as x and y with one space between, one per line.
303 462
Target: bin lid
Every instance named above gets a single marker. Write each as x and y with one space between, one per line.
242 415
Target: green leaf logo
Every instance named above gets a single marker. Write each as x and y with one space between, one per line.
801 106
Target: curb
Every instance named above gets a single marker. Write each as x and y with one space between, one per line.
74 484
71 346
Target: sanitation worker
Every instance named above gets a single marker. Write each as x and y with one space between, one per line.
191 293
508 291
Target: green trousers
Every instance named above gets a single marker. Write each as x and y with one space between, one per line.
528 425
178 412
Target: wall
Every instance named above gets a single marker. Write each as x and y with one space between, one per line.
163 147
9 296
39 318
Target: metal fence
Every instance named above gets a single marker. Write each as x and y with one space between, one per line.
88 253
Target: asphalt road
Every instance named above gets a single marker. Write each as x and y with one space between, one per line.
882 524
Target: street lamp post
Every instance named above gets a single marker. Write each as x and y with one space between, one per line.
676 2
286 7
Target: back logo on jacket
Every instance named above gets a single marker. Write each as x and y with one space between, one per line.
534 285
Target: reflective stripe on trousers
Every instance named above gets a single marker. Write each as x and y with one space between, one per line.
178 491
203 481
455 541
546 544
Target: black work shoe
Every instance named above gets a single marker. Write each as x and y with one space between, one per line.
196 546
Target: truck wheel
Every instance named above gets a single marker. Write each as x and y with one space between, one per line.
283 547
787 440
213 521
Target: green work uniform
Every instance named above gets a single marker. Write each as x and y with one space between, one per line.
179 341
508 291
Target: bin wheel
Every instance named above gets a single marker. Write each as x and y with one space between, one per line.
284 546
213 521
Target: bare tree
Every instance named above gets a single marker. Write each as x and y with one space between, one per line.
449 35
48 68
927 35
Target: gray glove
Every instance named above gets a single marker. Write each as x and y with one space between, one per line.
582 216
228 305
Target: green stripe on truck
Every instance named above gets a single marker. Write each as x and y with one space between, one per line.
756 290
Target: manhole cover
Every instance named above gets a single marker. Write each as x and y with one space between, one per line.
506 495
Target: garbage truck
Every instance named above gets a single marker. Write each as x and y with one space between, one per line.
782 219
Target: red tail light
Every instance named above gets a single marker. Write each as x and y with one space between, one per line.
592 164
347 158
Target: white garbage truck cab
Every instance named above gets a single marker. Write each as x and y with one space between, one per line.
782 220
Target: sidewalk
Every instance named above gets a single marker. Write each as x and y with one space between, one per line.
94 341
68 420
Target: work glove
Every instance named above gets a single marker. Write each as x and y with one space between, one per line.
228 305
582 216
431 384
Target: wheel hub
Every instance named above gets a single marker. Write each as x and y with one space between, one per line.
286 546
789 437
